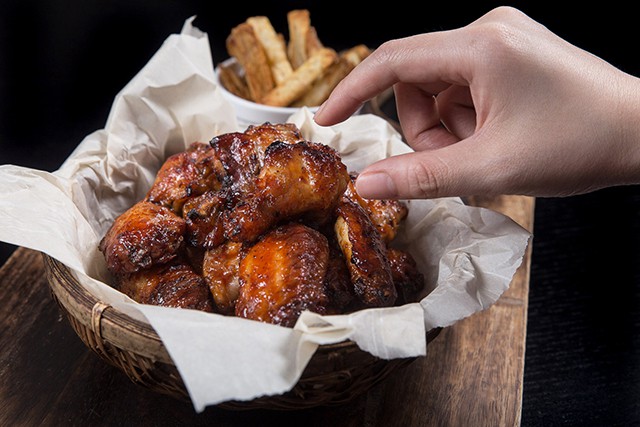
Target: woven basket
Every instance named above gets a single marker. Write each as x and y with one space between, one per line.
336 373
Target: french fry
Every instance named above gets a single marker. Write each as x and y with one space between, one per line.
357 53
323 86
233 82
312 41
274 47
301 79
299 22
297 72
243 44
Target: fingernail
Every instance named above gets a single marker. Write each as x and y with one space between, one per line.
376 185
319 110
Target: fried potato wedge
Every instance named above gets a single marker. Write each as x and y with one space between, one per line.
301 79
357 53
244 45
274 47
233 81
323 85
299 22
312 42
294 72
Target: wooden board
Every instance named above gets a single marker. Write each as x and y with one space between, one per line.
472 374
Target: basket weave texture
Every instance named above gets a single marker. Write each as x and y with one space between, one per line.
336 374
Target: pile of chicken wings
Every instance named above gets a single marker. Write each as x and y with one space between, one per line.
260 224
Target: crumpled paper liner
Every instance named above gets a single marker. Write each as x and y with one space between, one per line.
468 254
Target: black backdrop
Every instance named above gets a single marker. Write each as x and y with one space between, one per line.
62 63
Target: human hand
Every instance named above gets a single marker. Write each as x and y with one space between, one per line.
500 106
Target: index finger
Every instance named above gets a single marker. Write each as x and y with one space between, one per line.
432 61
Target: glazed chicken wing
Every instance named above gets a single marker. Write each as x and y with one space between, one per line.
220 271
174 284
283 274
242 153
186 174
144 235
337 281
366 256
267 133
203 218
302 179
407 279
386 214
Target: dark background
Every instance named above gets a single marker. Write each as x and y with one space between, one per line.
62 63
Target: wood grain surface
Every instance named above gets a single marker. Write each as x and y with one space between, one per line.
472 374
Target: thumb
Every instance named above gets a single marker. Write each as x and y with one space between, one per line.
455 170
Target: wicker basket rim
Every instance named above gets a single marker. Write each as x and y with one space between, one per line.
82 305
336 373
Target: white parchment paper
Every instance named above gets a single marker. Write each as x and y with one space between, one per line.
468 254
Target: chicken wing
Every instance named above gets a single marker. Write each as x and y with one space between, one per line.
267 133
366 256
386 214
174 284
242 153
407 279
304 179
186 174
220 271
337 281
283 274
144 235
203 219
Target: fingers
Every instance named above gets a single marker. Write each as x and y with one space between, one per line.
401 60
419 118
430 122
456 111
433 61
455 170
